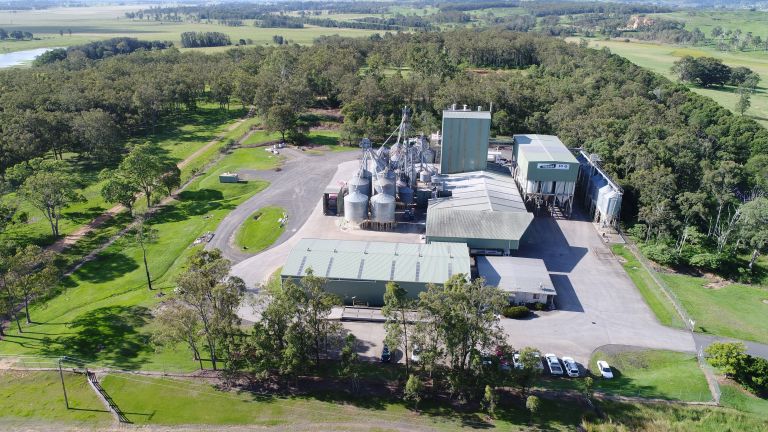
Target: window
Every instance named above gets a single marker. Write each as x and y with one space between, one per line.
535 296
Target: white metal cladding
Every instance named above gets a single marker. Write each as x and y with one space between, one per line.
378 261
356 207
480 190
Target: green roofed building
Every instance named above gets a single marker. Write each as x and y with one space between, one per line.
484 210
545 170
358 271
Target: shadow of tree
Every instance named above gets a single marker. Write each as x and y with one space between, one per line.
110 334
106 267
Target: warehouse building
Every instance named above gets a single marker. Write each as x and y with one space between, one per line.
545 170
524 280
464 143
482 209
358 271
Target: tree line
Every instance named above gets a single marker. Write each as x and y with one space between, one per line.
16 35
100 49
204 39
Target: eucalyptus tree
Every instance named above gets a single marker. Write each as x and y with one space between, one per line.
51 188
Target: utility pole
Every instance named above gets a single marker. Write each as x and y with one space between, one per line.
63 387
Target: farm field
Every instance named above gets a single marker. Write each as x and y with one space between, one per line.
104 22
660 57
744 20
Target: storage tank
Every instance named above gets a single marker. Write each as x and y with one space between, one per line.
422 197
425 176
355 207
360 183
404 192
385 183
383 208
428 156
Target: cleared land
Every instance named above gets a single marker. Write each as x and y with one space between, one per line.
652 374
659 58
104 22
737 311
260 230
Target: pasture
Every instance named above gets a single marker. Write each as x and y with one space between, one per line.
103 22
660 57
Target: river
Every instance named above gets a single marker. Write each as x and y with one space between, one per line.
17 58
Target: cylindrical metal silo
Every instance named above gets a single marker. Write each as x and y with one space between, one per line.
405 193
425 176
428 155
422 197
355 207
383 208
385 183
360 183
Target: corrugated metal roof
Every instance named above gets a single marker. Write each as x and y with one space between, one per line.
543 148
477 224
480 190
467 114
513 274
378 261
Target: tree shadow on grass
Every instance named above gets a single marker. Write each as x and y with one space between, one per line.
106 267
109 334
191 203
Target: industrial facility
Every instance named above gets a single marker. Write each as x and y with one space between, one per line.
472 204
358 271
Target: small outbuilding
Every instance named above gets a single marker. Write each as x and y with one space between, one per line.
525 280
228 177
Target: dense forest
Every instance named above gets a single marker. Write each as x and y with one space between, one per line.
690 168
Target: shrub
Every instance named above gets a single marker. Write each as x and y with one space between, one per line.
660 253
637 231
707 261
516 312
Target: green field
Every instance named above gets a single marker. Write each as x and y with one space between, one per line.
104 314
652 374
737 311
104 22
261 229
659 58
33 396
744 20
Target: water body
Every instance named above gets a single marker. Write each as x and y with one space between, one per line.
17 58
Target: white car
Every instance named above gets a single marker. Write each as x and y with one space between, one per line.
519 364
605 369
554 364
571 368
416 353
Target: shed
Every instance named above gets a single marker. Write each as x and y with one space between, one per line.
228 177
524 280
358 271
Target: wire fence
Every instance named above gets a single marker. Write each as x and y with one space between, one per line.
690 323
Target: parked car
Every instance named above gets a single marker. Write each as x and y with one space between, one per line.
485 358
386 356
415 353
605 369
571 368
554 364
518 364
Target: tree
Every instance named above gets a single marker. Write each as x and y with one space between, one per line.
489 400
177 322
744 102
171 179
532 404
702 71
144 234
207 288
314 310
282 119
530 371
145 167
31 273
51 189
396 307
117 188
413 390
349 359
588 389
97 135
729 357
754 226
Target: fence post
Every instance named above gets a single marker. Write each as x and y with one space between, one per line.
63 387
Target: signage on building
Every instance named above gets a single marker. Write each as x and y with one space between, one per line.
555 166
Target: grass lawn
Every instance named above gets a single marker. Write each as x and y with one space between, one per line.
26 396
653 374
652 294
736 311
259 231
660 57
733 396
104 313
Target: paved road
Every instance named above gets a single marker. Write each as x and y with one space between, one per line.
753 348
296 188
